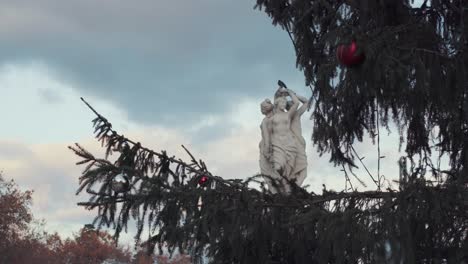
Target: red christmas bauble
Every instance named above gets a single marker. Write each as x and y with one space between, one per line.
348 54
203 180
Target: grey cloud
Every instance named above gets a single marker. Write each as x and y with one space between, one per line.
49 96
164 61
10 151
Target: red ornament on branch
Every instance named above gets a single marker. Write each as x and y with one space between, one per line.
203 180
348 55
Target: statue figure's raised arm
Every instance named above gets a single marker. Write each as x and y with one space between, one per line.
295 100
304 106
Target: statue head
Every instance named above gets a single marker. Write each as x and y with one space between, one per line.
289 103
266 106
281 92
280 103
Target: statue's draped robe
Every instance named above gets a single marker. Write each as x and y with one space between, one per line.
300 167
285 150
266 168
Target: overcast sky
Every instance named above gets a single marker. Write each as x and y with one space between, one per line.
165 73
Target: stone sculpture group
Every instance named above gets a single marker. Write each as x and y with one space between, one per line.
282 148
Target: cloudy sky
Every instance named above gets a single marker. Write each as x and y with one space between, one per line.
165 73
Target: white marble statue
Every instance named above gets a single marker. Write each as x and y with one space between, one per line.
300 168
282 149
266 167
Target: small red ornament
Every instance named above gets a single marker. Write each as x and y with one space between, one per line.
203 179
348 55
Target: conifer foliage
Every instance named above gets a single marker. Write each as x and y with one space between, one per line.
415 72
232 223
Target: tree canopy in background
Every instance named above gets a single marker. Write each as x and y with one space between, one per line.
23 239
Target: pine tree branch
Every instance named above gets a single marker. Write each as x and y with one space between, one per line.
108 128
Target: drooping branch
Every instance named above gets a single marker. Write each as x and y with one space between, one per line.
415 71
234 223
